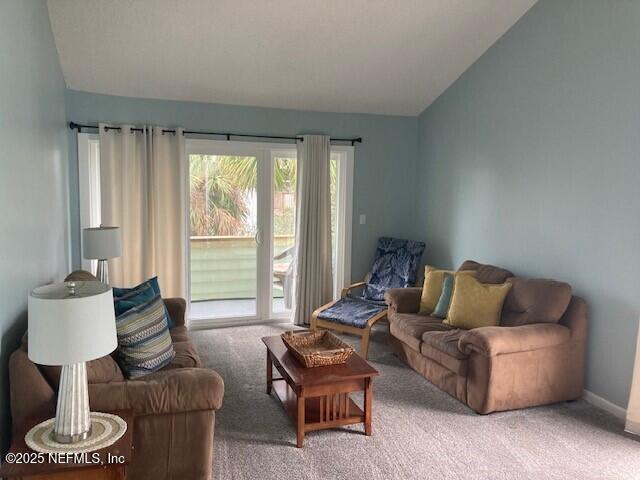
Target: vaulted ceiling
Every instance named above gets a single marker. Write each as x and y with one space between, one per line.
360 56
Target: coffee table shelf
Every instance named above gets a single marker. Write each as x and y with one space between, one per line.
319 412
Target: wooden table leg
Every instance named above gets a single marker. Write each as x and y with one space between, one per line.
368 401
269 373
300 419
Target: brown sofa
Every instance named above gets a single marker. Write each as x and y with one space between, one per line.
535 356
174 408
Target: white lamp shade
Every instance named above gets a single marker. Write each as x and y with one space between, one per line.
101 243
71 322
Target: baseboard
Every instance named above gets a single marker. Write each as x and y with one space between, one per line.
604 404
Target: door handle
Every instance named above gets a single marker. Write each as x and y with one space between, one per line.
258 237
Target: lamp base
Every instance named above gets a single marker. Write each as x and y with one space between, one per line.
106 429
78 437
102 271
72 423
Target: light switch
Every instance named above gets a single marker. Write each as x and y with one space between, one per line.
363 219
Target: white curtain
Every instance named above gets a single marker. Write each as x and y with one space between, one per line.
313 276
143 191
633 408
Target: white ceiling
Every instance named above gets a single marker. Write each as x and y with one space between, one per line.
364 56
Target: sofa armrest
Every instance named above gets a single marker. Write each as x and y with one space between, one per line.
31 395
177 308
403 300
575 318
169 391
492 341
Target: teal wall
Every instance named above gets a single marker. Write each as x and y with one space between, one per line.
33 178
385 163
531 160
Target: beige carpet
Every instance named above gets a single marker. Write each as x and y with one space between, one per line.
418 431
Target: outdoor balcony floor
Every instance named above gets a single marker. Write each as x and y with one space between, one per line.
230 308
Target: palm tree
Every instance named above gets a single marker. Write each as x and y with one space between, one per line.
218 204
220 187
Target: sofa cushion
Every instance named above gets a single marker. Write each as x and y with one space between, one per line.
409 328
486 273
535 300
100 370
442 347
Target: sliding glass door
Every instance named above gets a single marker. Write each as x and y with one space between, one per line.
223 221
241 214
242 207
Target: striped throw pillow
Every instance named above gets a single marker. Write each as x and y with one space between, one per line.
144 342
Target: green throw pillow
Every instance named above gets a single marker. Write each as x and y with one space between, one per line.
442 307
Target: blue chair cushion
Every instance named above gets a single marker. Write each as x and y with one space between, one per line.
352 311
395 266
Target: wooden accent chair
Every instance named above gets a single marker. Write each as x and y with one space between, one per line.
395 266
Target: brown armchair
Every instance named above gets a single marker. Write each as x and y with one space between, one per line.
174 408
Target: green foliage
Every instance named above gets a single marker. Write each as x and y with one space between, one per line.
221 188
217 196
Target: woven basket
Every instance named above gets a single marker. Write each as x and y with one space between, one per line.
317 348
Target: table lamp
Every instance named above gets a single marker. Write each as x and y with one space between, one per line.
69 324
101 243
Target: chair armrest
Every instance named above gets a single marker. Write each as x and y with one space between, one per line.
285 253
403 300
346 290
177 308
168 391
492 341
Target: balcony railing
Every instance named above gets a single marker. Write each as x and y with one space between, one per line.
224 268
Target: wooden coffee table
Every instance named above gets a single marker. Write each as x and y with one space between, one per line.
318 398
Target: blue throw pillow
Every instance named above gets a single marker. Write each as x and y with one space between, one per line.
442 307
133 299
144 342
153 282
126 298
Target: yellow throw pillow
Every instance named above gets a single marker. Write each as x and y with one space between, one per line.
475 304
432 288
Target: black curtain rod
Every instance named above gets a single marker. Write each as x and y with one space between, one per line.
79 127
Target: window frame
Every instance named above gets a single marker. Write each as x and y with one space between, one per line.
88 175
